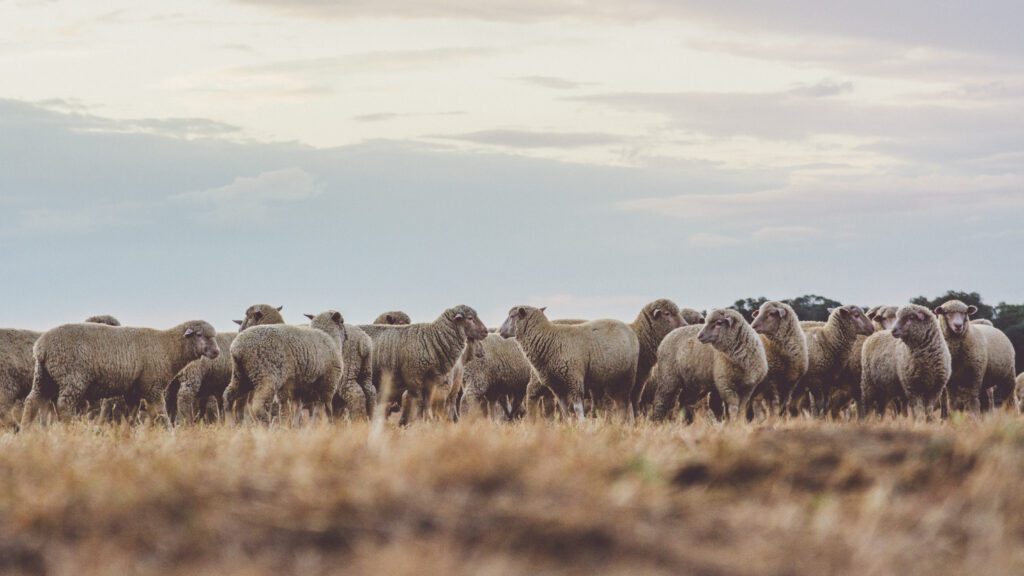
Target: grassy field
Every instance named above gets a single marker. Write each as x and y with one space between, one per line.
786 498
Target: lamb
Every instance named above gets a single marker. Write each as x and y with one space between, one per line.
724 356
207 378
412 361
911 361
77 362
303 363
599 357
499 377
828 348
393 318
968 351
785 347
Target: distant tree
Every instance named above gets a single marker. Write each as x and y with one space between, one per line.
969 298
748 305
1010 319
812 307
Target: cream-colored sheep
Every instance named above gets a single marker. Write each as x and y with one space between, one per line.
393 318
847 386
301 363
89 362
498 378
691 317
911 361
968 352
724 356
651 325
785 347
597 357
999 382
828 348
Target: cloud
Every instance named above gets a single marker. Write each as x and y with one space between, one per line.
711 240
383 61
387 116
554 82
786 233
530 139
249 200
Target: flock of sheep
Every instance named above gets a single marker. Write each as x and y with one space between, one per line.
667 362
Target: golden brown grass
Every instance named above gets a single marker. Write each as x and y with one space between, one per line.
785 498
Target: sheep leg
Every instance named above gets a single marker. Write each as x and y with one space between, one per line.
68 399
412 406
666 395
156 407
574 398
260 403
186 413
8 392
354 398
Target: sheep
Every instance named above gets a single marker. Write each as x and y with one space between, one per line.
983 322
207 378
499 377
847 385
785 347
651 325
910 361
77 362
103 319
260 314
599 357
999 382
303 363
968 351
356 392
1020 389
724 356
411 361
828 348
691 317
393 318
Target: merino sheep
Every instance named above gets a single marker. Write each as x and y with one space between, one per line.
724 356
828 348
78 362
785 347
500 376
1020 389
393 318
911 361
356 392
412 361
983 322
206 378
968 351
303 363
597 357
651 325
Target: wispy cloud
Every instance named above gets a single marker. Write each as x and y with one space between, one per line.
250 200
554 82
531 139
712 240
387 116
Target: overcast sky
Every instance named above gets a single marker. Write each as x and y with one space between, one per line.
187 159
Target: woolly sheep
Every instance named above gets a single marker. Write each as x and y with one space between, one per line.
785 347
968 352
303 363
691 317
828 348
207 378
910 361
597 357
499 377
724 355
998 384
393 318
412 361
651 325
79 362
103 319
983 322
847 385
356 392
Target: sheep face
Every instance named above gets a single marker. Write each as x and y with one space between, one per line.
201 337
913 324
885 316
861 323
956 316
331 322
769 318
666 315
691 316
255 314
469 322
516 317
719 327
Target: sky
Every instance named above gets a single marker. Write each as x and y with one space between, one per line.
186 159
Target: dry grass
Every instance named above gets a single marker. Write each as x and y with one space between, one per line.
787 498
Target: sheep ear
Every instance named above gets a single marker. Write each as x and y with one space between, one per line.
459 317
310 316
972 310
938 310
521 312
389 318
239 322
781 312
543 308
755 313
656 313
257 315
336 317
921 315
189 332
280 307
